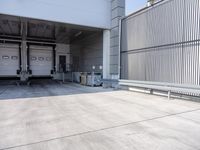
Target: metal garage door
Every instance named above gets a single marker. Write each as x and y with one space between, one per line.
41 60
9 59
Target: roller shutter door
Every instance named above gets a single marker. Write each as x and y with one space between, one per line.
9 60
41 60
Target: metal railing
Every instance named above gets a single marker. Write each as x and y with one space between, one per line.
168 87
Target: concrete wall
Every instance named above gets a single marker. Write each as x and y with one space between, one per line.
93 13
90 52
75 50
118 11
62 49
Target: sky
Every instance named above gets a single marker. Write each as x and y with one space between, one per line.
133 5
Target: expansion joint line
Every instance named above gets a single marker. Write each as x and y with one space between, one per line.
103 129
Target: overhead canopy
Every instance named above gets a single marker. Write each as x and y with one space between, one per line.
60 32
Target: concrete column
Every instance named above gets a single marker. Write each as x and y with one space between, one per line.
118 11
24 54
24 75
106 54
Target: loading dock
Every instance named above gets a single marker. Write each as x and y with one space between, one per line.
48 49
41 60
9 60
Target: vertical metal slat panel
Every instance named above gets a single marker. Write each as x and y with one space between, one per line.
161 43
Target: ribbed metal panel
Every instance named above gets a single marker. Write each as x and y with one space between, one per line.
162 43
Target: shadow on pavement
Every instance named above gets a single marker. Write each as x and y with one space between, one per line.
45 88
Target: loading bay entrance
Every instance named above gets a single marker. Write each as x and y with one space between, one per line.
32 48
41 63
9 60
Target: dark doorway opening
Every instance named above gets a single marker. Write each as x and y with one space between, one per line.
62 63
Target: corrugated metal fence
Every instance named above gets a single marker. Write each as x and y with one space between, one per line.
161 43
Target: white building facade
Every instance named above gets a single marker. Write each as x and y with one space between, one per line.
43 37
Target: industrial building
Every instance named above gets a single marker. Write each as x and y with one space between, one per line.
155 50
47 38
159 43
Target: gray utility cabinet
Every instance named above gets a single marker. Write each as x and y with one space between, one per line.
94 80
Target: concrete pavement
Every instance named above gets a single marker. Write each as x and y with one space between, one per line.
69 116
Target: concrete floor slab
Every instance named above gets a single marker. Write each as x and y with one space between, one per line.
69 116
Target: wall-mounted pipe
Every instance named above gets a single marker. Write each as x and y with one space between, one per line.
20 57
28 58
54 58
